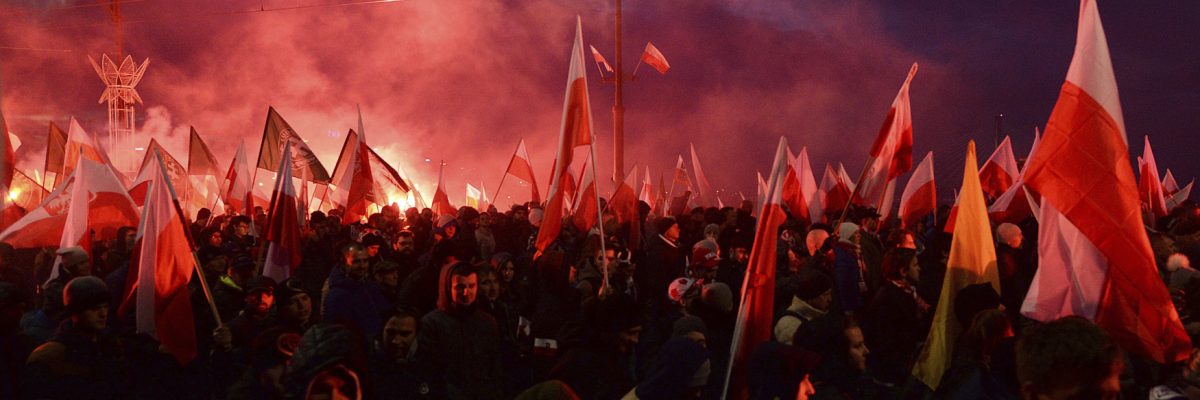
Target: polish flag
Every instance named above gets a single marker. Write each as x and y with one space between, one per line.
239 182
1168 184
707 196
81 144
836 188
162 265
1180 196
283 230
1016 204
359 181
577 130
999 171
176 172
679 181
600 59
654 58
520 167
920 195
800 188
1150 189
754 317
647 194
1096 259
624 206
441 202
94 200
586 206
808 186
891 154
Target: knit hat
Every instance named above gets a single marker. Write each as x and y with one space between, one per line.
702 256
812 285
846 231
83 293
72 255
712 229
444 221
717 295
679 288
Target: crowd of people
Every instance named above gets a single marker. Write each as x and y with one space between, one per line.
417 305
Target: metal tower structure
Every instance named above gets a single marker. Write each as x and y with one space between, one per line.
121 97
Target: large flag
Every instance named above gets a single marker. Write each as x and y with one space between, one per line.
358 181
577 130
706 195
283 229
276 134
836 188
162 265
176 172
1096 260
81 144
441 202
920 195
1016 204
647 191
891 154
754 317
624 206
521 167
587 208
999 171
654 58
800 191
104 206
1150 189
239 183
56 151
972 261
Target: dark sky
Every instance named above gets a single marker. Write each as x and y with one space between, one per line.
464 80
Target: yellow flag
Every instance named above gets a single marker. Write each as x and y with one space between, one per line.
972 261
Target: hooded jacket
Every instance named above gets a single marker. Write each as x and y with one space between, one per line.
461 345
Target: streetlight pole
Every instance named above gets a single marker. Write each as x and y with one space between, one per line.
618 108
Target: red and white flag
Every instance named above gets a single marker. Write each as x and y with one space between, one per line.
1016 204
441 202
920 195
577 130
1095 258
586 206
1180 196
624 206
999 171
707 197
755 314
647 192
600 59
800 190
239 182
521 167
1169 185
97 202
162 265
283 230
836 188
81 144
891 154
654 58
358 182
176 172
1150 189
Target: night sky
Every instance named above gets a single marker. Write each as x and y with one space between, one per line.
462 81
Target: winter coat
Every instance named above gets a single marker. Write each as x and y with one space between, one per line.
355 302
461 345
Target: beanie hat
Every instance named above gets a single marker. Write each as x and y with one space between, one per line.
846 231
705 257
712 229
83 293
72 255
679 288
444 221
812 285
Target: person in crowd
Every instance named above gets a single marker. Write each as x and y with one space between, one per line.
1068 358
490 301
485 239
1016 268
210 244
980 365
704 262
239 242
229 293
897 319
119 251
420 289
812 297
327 364
664 263
293 307
870 247
604 366
681 371
404 254
395 372
460 343
851 285
732 269
1180 272
201 223
779 371
386 274
257 303
373 242
842 373
81 360
352 298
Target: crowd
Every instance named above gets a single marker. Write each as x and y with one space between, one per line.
413 305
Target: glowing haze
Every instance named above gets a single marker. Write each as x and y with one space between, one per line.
463 81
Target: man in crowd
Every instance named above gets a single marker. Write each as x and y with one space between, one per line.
458 342
351 297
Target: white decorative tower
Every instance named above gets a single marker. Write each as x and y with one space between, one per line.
121 96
